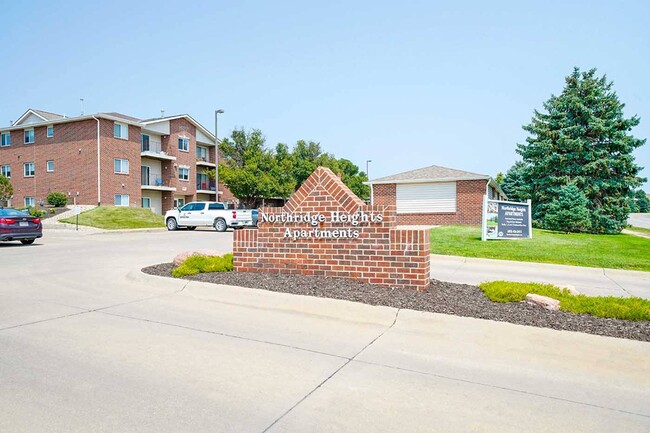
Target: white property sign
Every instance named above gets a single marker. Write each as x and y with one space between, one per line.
349 223
506 220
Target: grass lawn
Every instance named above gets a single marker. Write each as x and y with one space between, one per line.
114 217
599 306
598 251
639 230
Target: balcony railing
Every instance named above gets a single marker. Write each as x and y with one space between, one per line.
203 159
206 186
152 146
154 179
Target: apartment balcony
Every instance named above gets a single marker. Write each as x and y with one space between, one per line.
153 149
155 182
205 162
206 187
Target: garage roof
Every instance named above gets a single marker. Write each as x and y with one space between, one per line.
433 173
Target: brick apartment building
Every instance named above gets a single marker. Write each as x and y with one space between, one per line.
435 195
109 159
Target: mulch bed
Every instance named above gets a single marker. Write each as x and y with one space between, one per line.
440 297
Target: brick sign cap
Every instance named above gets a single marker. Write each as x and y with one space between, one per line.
331 183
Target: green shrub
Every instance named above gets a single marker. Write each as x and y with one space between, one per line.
57 199
568 211
599 306
202 264
36 212
52 210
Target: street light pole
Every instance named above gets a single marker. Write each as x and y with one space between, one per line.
368 161
216 151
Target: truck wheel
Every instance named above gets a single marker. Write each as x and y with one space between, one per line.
220 225
172 224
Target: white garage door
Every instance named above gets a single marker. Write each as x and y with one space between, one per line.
436 197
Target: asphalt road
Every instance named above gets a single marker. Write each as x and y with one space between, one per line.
90 344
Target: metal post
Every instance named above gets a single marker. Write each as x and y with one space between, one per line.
216 149
367 162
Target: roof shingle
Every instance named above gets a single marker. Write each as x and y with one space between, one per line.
431 173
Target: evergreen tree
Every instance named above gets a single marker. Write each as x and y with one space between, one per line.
583 138
515 184
6 190
641 201
568 212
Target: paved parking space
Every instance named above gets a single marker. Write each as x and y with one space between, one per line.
88 343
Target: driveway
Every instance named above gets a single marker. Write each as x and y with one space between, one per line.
88 343
639 220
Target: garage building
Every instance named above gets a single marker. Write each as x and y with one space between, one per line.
435 195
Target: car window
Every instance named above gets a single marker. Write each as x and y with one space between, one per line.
215 206
12 212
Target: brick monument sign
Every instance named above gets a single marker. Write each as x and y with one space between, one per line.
324 229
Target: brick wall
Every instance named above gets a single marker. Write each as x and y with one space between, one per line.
469 202
381 254
111 148
74 152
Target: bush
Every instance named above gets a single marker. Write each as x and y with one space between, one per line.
202 264
36 212
57 199
52 210
568 211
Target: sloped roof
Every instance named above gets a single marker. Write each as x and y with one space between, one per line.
123 116
429 174
47 115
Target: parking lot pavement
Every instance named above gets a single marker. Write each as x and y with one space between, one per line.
88 343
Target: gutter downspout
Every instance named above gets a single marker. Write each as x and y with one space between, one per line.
99 166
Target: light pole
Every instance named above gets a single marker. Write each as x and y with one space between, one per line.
368 161
216 151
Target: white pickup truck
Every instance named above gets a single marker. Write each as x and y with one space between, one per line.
208 213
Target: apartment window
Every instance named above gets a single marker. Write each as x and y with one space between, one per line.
121 199
29 169
5 170
50 131
184 173
50 166
146 202
121 166
29 136
121 130
30 202
184 144
6 139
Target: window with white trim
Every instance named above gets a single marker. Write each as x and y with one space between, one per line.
30 202
184 144
5 170
121 199
50 166
146 202
29 136
6 139
29 169
120 130
121 166
184 173
50 131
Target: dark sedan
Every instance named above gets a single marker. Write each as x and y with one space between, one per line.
19 226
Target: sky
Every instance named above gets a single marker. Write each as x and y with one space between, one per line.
404 84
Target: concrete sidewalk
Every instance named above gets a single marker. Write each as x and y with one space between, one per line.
590 281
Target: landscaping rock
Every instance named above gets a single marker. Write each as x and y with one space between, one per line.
180 258
571 289
543 301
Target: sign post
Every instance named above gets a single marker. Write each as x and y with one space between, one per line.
77 211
